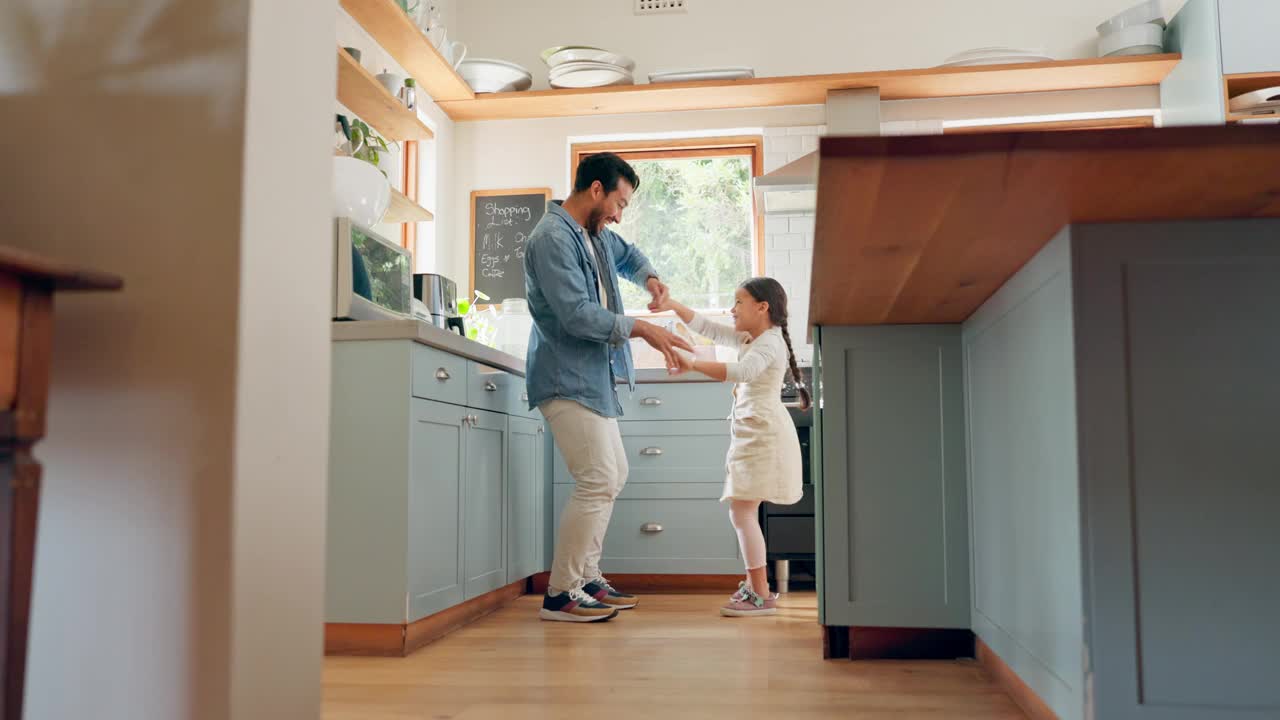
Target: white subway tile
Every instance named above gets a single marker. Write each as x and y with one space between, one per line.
788 242
794 156
801 224
774 131
784 144
774 160
803 258
776 225
809 143
807 130
777 261
808 240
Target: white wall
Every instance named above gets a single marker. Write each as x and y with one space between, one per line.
435 157
185 467
792 38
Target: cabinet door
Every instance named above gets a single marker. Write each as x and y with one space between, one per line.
894 498
435 508
484 548
524 498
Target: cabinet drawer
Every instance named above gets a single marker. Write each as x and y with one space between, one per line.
667 529
439 376
676 401
490 388
691 451
519 400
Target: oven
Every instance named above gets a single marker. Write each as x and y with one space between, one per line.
790 531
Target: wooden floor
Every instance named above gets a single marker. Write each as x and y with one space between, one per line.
673 658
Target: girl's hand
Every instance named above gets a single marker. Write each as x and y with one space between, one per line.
662 304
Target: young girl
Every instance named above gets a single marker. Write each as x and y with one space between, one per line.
763 464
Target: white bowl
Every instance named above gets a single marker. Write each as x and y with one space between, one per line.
360 191
485 75
1143 13
1146 39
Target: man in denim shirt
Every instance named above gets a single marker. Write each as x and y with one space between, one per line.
578 351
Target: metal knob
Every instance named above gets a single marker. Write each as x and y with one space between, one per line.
442 374
651 451
524 397
651 402
651 528
490 386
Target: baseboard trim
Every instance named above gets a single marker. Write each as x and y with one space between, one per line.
884 643
665 584
1022 694
399 640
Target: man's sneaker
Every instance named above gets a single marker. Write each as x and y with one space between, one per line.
603 592
746 603
575 606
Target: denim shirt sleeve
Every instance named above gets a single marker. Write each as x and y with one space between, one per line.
628 260
564 286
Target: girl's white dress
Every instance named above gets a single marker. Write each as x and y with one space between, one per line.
764 454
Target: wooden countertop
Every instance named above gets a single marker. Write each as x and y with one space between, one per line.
926 229
63 276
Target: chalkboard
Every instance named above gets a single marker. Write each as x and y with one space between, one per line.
501 222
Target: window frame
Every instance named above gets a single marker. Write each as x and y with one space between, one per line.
751 146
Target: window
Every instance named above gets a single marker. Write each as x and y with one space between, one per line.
694 215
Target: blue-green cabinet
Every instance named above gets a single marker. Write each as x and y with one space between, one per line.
526 506
435 507
484 549
894 497
433 499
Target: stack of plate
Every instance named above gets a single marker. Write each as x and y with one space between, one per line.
724 73
1259 102
996 56
581 66
486 75
1136 31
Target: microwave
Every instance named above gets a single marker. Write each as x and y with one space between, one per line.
373 276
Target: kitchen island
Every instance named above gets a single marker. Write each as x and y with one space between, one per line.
1049 411
444 486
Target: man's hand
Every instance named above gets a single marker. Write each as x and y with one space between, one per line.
686 361
662 340
660 294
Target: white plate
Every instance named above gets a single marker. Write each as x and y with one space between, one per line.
1264 99
580 66
572 55
486 75
1001 60
546 54
724 73
592 78
993 52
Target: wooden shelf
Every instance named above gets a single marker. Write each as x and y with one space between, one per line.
1234 85
813 89
404 210
359 90
398 35
925 229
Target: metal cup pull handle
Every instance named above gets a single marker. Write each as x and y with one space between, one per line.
490 386
651 451
651 528
651 402
442 374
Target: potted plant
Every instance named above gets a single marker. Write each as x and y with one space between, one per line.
365 143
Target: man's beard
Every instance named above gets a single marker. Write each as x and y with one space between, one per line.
595 222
